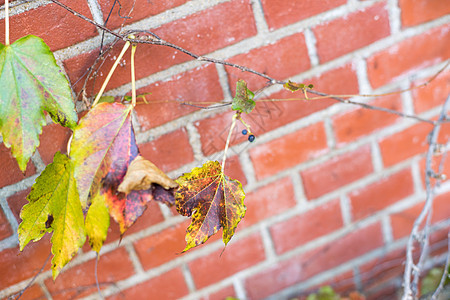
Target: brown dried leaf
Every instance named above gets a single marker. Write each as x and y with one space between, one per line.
141 174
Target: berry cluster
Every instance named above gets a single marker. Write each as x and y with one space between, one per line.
251 137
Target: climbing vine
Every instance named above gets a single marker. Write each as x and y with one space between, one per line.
103 174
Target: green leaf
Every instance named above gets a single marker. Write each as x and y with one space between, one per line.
212 200
243 100
31 82
97 223
431 281
293 87
107 99
54 205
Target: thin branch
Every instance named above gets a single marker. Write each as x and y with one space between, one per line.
19 295
410 292
445 275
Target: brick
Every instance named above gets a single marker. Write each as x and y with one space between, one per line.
432 95
409 55
439 241
176 150
79 281
390 290
289 150
337 172
306 226
237 256
17 201
9 166
161 247
32 293
233 169
290 12
5 227
59 29
360 122
25 264
352 32
261 203
200 33
222 294
306 265
382 269
198 85
270 115
415 12
405 144
54 138
402 222
282 59
139 10
170 285
381 194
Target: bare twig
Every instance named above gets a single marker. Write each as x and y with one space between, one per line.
445 275
19 295
411 269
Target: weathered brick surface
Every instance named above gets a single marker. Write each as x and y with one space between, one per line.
342 48
415 12
408 55
289 150
379 195
337 172
356 30
306 265
58 28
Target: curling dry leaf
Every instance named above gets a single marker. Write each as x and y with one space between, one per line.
141 174
212 200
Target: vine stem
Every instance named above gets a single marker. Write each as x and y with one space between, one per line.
113 68
410 292
7 22
233 124
133 76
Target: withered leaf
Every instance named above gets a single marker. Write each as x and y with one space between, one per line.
212 200
141 174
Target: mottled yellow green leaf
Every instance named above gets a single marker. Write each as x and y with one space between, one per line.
30 83
54 205
97 222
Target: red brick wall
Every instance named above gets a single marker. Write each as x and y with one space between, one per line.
332 189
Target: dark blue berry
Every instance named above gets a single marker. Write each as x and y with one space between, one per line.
244 132
251 138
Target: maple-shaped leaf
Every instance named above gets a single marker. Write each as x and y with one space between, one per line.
30 83
141 174
103 146
103 140
212 200
54 205
243 100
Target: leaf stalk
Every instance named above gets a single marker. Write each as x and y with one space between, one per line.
7 22
113 68
133 76
233 124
